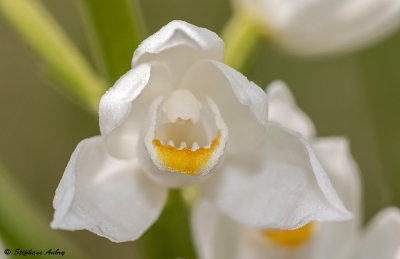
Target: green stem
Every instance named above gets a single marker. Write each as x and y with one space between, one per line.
170 236
240 35
22 225
39 29
115 30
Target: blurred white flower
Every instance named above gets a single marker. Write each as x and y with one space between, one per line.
313 27
181 117
382 237
216 236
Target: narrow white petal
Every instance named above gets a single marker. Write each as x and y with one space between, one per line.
282 108
115 108
280 185
382 238
112 198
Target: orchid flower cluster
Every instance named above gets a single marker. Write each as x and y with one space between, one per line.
180 117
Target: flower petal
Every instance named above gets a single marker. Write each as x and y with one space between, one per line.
279 185
206 43
213 233
329 239
334 154
109 197
319 27
243 105
282 108
115 108
335 240
382 238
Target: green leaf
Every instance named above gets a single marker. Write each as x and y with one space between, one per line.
42 33
114 29
22 225
170 236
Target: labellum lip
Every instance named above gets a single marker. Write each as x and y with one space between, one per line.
185 160
192 143
290 238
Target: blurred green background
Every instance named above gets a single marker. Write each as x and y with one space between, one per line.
356 95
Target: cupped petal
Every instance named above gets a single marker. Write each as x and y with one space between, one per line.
280 185
112 198
177 46
179 33
313 27
282 108
243 105
382 237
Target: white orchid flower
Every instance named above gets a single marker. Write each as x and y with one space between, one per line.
181 117
323 26
216 236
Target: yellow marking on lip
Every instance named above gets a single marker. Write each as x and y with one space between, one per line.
290 238
185 161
